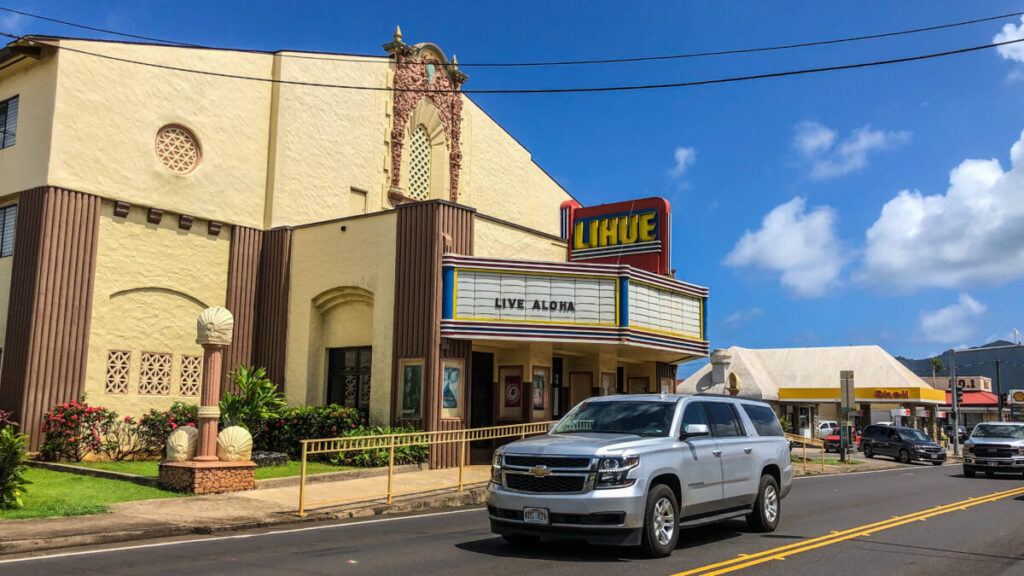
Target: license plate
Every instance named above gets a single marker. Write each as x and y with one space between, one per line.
993 463
535 515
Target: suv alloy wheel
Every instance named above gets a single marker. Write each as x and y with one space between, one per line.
904 456
661 522
868 451
767 508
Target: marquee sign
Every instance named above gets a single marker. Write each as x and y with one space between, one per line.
635 233
486 298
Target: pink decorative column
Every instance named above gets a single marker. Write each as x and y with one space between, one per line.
213 332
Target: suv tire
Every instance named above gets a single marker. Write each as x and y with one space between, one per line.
661 522
868 451
767 507
969 472
904 456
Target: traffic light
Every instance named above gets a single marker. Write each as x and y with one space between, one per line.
958 391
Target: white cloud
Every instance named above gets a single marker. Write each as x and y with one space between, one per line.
12 23
685 158
740 317
1015 75
954 323
971 236
798 243
828 157
1011 32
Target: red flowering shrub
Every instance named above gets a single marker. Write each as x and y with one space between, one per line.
123 440
73 429
284 433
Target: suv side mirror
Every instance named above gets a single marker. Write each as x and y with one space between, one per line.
694 430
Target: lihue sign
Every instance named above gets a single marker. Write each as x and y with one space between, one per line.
635 232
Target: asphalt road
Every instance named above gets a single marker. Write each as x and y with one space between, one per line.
892 522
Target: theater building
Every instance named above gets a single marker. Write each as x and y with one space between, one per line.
381 241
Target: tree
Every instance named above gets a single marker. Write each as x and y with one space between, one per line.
937 365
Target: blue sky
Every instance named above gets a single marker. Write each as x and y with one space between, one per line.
778 186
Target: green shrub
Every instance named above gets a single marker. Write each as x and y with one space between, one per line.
72 430
13 458
124 440
155 426
379 457
292 425
258 400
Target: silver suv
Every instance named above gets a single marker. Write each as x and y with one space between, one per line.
994 447
631 470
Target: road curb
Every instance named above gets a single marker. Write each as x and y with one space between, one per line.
433 501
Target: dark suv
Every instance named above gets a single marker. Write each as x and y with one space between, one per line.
903 444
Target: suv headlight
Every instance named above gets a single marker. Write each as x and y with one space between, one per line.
613 472
1020 451
969 448
496 463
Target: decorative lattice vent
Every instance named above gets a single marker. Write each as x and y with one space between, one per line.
155 374
419 164
178 149
119 363
191 375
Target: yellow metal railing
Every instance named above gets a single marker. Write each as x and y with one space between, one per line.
390 442
804 443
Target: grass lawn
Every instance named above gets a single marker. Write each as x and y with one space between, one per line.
150 468
63 494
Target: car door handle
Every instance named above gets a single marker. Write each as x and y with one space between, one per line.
748 450
716 452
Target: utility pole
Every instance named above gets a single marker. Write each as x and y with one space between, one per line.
956 405
999 394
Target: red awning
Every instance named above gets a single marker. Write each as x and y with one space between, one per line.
975 399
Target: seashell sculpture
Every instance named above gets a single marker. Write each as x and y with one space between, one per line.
234 444
215 326
182 444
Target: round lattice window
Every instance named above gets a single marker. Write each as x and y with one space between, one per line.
178 149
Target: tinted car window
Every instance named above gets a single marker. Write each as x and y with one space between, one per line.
723 420
694 414
870 432
764 419
619 417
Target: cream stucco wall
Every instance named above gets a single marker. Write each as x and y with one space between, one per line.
329 140
360 259
25 164
152 281
5 283
108 113
499 178
497 240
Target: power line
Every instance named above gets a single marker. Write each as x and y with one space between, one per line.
568 62
590 89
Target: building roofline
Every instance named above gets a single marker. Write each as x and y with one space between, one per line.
51 38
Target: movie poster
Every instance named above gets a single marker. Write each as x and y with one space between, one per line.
451 391
412 388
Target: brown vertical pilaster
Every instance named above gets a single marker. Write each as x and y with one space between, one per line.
243 269
50 306
426 231
271 314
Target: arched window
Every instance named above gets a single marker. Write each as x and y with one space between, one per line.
419 164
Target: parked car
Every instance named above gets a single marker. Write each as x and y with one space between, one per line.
826 427
903 444
961 432
994 447
832 441
634 469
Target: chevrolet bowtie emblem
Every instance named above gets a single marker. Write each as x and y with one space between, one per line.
540 471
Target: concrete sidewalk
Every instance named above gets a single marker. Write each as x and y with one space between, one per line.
211 514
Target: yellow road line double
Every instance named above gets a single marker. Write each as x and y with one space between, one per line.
780 553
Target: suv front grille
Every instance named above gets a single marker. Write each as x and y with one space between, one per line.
553 483
549 461
994 451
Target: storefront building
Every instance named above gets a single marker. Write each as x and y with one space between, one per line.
392 249
979 403
803 384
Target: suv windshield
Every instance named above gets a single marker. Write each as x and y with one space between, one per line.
637 418
917 435
999 431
